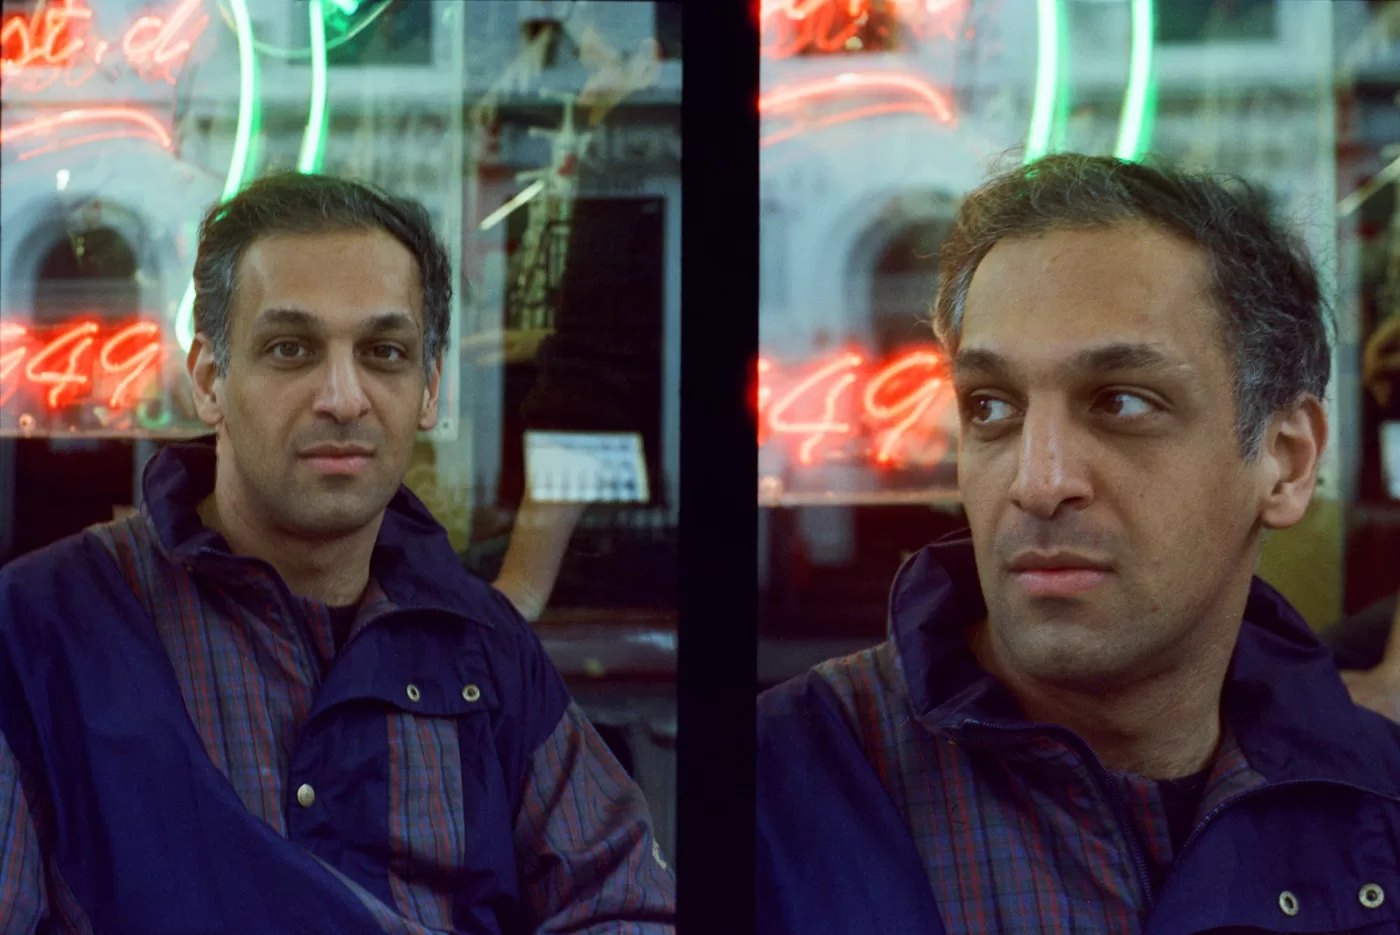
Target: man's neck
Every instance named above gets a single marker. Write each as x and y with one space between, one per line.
1162 728
335 571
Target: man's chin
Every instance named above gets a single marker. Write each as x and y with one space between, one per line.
323 516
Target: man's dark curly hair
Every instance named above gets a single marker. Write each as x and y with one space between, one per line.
1275 322
292 202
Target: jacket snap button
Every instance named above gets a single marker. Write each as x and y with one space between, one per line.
306 796
413 693
471 693
1372 895
1288 903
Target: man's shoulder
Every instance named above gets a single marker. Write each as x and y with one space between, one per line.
48 596
863 690
72 564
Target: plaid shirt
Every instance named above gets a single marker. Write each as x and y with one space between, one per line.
250 660
1020 829
901 787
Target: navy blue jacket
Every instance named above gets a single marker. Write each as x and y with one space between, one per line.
836 854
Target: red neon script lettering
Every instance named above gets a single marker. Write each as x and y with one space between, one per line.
54 39
153 46
138 362
65 369
75 340
10 359
792 27
916 379
826 423
892 421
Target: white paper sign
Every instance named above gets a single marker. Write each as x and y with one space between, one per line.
586 467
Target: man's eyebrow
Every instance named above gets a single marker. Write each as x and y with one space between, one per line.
1112 358
298 318
389 321
286 317
1105 359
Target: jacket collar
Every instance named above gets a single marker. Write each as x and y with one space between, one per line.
1282 698
413 561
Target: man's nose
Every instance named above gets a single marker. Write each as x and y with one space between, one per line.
342 396
1051 470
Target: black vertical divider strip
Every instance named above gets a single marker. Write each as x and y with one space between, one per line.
719 467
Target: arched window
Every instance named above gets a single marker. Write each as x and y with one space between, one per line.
88 272
902 286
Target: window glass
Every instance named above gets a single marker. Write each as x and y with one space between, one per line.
544 139
879 117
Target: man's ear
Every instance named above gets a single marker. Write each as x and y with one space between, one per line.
208 384
428 414
1290 455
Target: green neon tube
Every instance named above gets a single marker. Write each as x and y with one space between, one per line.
313 140
1049 59
1135 122
249 116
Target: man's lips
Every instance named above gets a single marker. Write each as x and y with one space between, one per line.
330 459
1057 574
1059 582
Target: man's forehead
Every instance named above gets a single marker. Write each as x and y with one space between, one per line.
329 278
1102 356
1067 296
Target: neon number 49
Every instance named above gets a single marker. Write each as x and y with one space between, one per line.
134 364
78 361
74 342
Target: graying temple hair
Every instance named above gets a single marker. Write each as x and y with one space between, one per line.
292 202
1275 322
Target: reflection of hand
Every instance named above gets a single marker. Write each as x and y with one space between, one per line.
495 347
523 595
1378 689
613 77
1380 362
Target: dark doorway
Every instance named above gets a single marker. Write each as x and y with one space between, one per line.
63 485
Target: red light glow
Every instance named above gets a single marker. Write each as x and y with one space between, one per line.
796 27
918 97
128 121
75 341
10 359
54 40
892 420
135 364
75 361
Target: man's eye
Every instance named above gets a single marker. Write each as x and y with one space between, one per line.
1125 404
986 410
389 353
287 350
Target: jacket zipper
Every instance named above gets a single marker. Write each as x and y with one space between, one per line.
1107 787
1121 808
1268 787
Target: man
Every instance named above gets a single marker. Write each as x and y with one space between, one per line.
1089 717
273 701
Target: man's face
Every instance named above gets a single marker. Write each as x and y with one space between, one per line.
1113 516
326 386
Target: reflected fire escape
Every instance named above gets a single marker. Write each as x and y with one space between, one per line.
539 262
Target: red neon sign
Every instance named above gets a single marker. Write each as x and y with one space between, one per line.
122 122
842 408
911 93
55 40
78 362
794 27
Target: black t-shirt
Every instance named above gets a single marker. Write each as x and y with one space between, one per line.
1181 798
342 619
